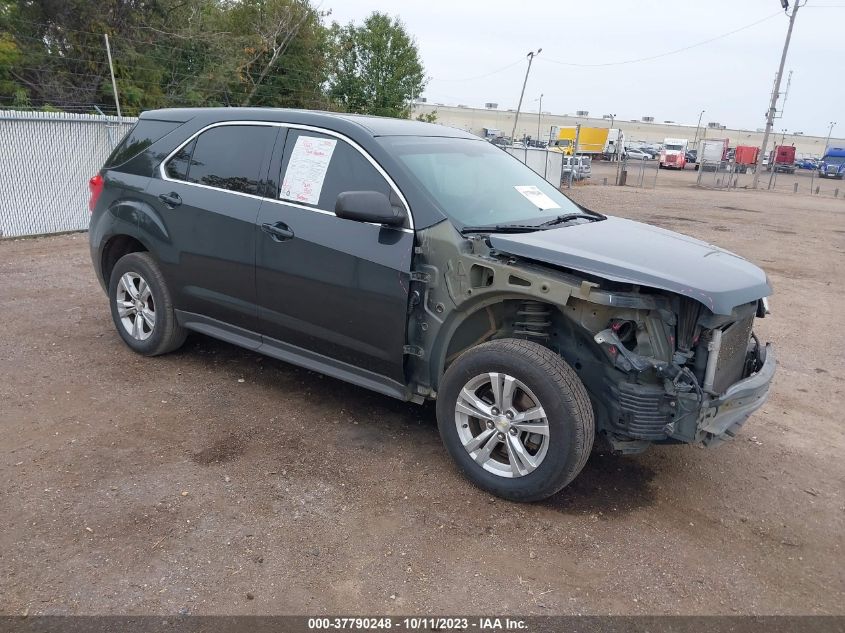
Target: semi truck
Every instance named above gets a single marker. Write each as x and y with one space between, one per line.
782 159
592 141
832 164
673 154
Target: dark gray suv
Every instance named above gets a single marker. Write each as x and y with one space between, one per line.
423 262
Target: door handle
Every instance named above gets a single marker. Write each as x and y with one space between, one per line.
171 199
279 231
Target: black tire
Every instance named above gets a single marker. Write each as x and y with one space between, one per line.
562 396
166 335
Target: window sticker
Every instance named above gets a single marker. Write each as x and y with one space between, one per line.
307 169
537 197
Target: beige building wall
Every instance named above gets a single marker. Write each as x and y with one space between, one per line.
475 119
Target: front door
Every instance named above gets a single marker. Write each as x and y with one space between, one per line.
334 287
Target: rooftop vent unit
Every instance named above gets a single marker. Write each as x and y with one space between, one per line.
420 99
462 105
582 113
715 125
648 119
491 106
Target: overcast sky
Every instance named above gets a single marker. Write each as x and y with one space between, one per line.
731 78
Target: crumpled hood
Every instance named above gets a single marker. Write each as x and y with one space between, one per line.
632 252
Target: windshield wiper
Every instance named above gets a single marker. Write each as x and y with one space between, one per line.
501 228
570 216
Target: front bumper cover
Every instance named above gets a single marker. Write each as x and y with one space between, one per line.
719 419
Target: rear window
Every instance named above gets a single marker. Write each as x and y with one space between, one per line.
145 133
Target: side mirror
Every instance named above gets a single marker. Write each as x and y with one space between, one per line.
368 206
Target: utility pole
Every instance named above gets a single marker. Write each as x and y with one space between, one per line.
827 140
539 114
111 70
770 115
531 55
698 125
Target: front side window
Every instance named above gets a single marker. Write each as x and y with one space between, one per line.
317 167
475 183
228 157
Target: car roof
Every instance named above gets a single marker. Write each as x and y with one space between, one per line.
371 125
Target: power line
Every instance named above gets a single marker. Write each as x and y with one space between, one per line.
667 53
493 72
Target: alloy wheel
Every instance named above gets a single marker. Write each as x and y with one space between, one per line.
502 424
135 306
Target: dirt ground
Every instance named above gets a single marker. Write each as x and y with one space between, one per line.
216 481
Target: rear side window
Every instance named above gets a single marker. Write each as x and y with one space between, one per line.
227 157
317 167
145 133
177 167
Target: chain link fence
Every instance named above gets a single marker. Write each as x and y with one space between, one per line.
727 174
46 160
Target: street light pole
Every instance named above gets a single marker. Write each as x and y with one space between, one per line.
698 125
770 115
539 114
531 55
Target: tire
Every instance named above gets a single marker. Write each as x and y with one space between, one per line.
550 384
164 334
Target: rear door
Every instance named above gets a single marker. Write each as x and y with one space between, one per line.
208 200
334 287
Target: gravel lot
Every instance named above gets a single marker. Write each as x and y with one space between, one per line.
214 480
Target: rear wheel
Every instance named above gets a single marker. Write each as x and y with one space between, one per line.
515 418
141 307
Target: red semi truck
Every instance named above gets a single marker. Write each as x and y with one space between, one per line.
782 159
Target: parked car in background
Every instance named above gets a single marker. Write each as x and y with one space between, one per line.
691 155
638 154
582 166
423 263
807 163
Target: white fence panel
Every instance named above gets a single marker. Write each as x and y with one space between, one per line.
46 160
548 164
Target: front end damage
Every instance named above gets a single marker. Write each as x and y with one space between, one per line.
659 367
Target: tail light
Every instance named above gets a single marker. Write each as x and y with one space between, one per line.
96 186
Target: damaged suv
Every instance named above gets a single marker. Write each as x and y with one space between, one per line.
422 262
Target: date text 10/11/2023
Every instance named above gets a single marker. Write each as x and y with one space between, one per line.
418 623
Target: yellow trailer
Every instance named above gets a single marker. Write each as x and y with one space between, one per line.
591 140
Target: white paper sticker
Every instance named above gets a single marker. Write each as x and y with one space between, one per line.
307 169
537 197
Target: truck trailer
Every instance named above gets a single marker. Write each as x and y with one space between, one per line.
592 141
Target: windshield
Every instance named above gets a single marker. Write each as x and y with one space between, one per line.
475 183
834 160
675 148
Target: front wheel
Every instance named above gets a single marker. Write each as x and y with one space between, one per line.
515 418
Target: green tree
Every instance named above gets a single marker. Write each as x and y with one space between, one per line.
377 67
